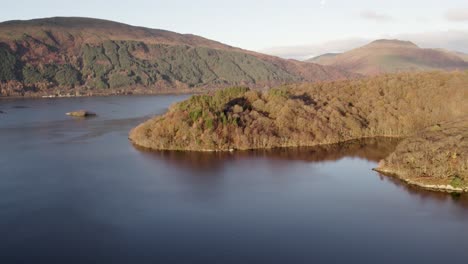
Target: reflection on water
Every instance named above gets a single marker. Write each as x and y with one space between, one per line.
77 191
422 194
373 149
370 149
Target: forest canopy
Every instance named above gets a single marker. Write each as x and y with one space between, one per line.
308 114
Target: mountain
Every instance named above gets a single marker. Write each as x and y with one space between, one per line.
64 55
391 56
461 55
323 57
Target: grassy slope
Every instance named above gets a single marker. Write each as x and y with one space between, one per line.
102 54
391 56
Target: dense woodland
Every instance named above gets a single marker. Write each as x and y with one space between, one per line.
114 65
397 106
308 114
127 63
79 56
436 155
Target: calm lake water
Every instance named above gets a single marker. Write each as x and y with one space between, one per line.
76 191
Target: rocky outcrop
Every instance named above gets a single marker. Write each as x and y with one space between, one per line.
81 113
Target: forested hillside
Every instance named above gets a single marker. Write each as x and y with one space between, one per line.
90 56
308 114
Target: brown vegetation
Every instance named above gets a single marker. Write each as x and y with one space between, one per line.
398 105
81 113
392 56
436 157
82 56
308 114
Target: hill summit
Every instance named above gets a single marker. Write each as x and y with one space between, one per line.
391 43
392 56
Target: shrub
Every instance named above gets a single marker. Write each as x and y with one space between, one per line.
67 76
118 80
7 65
31 75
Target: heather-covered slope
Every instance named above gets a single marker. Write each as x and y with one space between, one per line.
392 56
82 55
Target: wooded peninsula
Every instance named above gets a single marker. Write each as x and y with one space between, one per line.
428 110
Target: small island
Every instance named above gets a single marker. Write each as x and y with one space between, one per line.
395 105
81 113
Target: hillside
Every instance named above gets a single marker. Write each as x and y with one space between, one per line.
396 105
392 56
323 58
90 56
461 55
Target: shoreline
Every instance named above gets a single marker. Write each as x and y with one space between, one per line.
442 187
357 139
446 188
101 95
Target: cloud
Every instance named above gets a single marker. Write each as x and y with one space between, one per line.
323 3
457 15
372 15
303 52
456 40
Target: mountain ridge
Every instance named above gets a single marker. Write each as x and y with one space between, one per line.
392 56
84 56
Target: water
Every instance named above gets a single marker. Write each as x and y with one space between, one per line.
76 191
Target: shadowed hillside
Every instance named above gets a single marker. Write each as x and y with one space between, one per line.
392 56
90 56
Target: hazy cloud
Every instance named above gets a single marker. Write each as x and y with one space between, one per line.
457 15
323 3
450 40
372 15
304 52
456 40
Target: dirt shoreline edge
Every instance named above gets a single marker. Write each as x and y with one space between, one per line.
447 188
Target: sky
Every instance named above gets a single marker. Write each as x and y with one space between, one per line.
292 28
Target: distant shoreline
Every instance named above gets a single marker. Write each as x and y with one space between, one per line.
102 95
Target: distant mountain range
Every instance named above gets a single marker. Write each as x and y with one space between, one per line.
390 56
84 55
